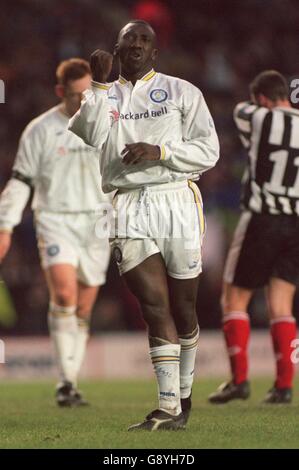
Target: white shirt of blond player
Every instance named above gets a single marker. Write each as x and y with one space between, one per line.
159 110
58 165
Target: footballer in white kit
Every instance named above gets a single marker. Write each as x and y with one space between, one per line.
156 137
64 175
118 113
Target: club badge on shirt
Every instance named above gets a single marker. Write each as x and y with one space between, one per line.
158 95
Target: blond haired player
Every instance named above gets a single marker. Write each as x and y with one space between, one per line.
157 137
64 175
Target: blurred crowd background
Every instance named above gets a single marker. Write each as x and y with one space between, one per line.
219 45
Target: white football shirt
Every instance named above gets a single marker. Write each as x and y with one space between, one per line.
63 171
159 110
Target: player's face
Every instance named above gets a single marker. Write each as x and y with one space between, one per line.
73 93
136 48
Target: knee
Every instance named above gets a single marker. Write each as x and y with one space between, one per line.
278 311
279 304
235 299
84 311
225 304
64 296
184 312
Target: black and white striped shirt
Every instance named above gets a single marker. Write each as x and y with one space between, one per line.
271 181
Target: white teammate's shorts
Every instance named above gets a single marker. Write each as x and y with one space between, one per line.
167 219
69 238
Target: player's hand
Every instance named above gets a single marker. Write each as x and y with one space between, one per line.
135 153
5 242
101 65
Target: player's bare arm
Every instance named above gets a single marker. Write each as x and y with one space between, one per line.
135 153
5 242
101 65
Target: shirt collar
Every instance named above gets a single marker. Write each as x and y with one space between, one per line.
287 109
148 76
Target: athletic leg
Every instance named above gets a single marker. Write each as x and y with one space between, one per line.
62 284
236 326
183 295
148 282
236 329
86 298
280 295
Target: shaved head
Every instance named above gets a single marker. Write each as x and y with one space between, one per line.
137 22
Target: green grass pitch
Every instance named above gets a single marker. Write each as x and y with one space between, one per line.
29 418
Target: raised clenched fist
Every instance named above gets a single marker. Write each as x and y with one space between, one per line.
101 65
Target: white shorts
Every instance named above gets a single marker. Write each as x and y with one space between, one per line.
69 238
166 219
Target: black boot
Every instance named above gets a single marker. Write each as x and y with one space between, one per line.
278 396
229 391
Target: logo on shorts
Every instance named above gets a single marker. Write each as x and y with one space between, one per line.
194 264
158 95
53 250
117 254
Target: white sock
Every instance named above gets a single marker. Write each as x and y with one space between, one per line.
80 345
166 362
187 363
63 328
